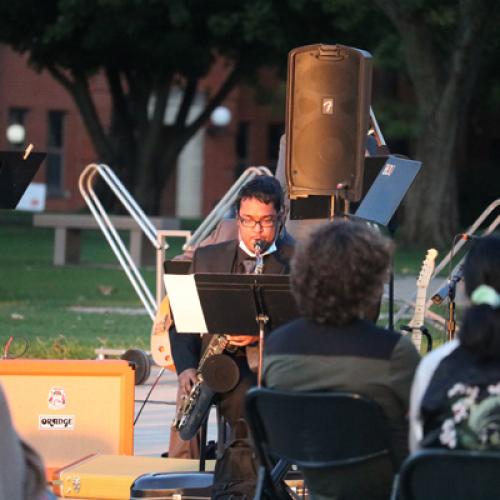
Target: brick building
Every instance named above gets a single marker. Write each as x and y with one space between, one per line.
207 166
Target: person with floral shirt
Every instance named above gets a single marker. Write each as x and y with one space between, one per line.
455 399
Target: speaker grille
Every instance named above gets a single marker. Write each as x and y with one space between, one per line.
328 98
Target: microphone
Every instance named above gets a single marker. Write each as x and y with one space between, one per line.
448 289
260 246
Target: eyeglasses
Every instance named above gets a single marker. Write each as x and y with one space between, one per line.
251 223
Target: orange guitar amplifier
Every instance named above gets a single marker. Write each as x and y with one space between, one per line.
68 409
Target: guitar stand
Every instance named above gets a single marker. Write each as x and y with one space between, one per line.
425 333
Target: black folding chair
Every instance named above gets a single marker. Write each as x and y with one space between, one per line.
437 474
312 430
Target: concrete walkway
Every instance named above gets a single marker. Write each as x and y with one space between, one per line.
152 430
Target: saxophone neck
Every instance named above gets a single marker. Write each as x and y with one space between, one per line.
216 345
259 259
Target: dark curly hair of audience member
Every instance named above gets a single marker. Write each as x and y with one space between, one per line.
480 330
338 273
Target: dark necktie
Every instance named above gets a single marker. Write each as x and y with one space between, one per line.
248 265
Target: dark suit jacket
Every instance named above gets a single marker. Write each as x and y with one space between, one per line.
219 258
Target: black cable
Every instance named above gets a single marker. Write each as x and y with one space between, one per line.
148 395
7 346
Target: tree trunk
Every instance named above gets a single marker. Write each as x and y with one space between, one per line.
443 85
160 165
430 209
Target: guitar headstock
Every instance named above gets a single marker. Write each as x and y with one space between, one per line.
427 268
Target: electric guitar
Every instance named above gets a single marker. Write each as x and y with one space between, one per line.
160 341
423 280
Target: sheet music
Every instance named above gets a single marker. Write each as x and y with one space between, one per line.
185 303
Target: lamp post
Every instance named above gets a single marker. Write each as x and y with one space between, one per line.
16 134
221 116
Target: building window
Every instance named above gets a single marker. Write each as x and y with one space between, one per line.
55 157
17 116
274 133
242 147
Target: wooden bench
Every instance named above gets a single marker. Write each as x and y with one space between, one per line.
68 229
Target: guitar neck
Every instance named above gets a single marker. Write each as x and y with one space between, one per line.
422 283
418 317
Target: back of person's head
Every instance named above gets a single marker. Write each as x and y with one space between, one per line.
264 188
338 272
480 330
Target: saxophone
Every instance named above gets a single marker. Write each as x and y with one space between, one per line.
195 406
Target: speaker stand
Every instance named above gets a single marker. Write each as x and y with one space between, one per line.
340 194
333 204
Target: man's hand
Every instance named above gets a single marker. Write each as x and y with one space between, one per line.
186 380
243 340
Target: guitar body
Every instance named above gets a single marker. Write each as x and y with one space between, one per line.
160 340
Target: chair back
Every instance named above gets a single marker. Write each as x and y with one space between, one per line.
314 429
438 474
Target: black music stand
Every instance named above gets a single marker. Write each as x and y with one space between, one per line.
16 172
388 190
179 266
383 199
231 304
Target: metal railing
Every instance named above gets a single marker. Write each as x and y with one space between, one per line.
223 206
86 186
156 237
456 248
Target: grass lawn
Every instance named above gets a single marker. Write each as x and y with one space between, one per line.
38 300
44 305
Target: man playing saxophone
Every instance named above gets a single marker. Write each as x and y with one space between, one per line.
259 216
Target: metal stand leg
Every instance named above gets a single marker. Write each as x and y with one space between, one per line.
148 395
262 319
203 444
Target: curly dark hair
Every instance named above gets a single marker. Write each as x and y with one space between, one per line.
480 331
338 273
264 188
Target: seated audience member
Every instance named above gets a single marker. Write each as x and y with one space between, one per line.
22 475
337 278
455 400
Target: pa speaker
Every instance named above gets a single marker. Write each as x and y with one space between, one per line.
327 119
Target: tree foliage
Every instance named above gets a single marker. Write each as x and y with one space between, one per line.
147 48
443 44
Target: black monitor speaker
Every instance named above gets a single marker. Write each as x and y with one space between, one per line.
327 119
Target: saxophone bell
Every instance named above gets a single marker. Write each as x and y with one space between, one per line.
195 406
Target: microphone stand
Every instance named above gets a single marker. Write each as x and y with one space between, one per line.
450 322
449 291
262 318
392 229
